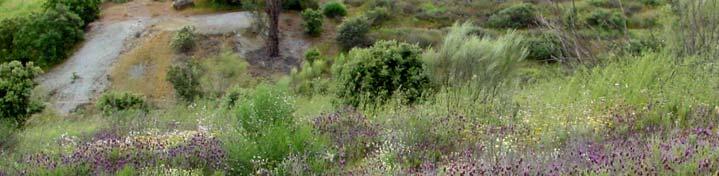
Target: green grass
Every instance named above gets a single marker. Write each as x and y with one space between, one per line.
13 8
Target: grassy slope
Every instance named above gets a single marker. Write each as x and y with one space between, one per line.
12 8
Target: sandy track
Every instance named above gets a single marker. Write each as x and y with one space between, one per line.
103 45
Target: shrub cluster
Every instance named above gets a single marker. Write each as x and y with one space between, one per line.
88 10
313 76
184 40
120 101
353 33
300 4
606 19
16 85
543 48
313 20
377 15
44 38
517 16
185 79
376 74
334 9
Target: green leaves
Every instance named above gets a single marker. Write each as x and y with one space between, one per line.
387 69
16 85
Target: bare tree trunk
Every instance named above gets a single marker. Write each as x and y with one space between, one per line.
273 39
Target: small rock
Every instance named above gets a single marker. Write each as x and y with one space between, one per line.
181 4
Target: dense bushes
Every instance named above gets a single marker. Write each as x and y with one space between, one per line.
184 40
376 74
543 47
16 85
353 32
312 21
606 19
120 101
517 16
88 10
334 9
377 15
227 2
268 132
300 4
313 76
44 38
185 79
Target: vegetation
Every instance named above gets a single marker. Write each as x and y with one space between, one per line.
16 85
88 10
516 16
353 33
120 101
312 20
185 79
558 94
184 40
334 9
387 69
300 5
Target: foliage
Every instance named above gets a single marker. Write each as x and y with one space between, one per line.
185 79
268 133
222 72
88 10
184 40
351 132
353 33
692 28
228 2
545 47
484 64
300 4
9 28
16 85
314 75
606 19
121 101
47 37
605 3
517 16
377 15
312 21
387 69
334 9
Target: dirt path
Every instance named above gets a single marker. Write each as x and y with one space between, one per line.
106 41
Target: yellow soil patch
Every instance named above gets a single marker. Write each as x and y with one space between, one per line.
144 69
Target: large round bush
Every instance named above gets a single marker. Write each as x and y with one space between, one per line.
47 37
334 9
353 32
312 21
543 47
376 74
517 16
16 85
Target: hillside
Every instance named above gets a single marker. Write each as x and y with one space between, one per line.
359 87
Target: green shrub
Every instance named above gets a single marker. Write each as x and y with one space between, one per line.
544 47
300 4
185 80
517 16
88 10
16 85
268 132
120 101
313 76
47 37
605 3
184 40
228 2
9 28
312 21
482 64
334 9
353 32
606 19
377 15
421 36
377 73
652 2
